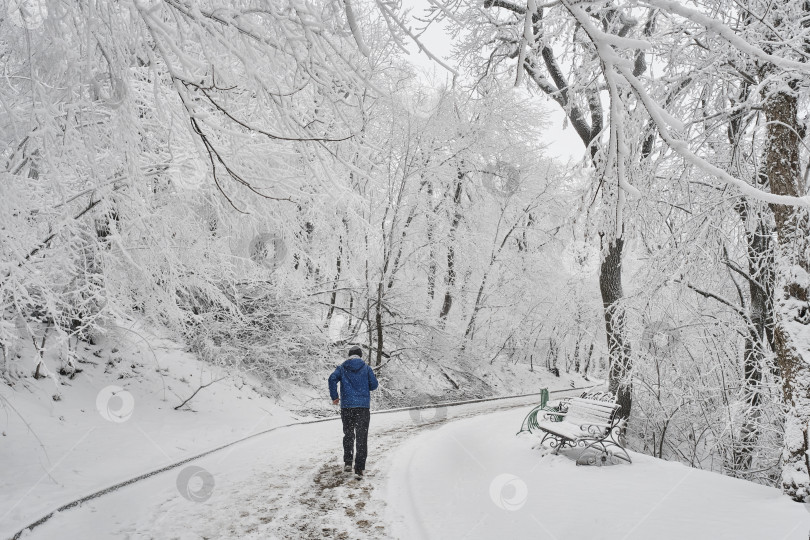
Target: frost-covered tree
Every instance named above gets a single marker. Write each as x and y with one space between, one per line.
149 147
660 79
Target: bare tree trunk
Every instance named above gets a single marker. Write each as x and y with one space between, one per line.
610 284
760 279
369 328
333 297
431 277
551 357
450 279
587 363
312 270
379 324
522 241
759 336
791 307
477 305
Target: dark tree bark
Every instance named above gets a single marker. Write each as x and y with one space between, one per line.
450 278
792 318
610 285
587 363
759 336
551 357
431 277
522 242
760 277
379 322
369 326
333 297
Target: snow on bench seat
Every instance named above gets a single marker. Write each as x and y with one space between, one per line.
590 421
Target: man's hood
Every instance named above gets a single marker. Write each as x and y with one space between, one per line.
354 363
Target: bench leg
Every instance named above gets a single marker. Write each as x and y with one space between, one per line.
555 443
607 446
612 442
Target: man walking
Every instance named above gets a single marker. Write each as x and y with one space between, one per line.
356 380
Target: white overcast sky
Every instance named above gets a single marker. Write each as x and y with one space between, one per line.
563 144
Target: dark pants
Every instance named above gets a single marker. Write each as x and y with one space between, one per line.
355 425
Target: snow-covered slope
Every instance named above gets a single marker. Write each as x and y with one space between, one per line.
116 419
474 479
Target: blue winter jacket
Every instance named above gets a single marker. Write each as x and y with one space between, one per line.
357 380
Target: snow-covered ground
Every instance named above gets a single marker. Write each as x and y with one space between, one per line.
474 479
285 484
452 473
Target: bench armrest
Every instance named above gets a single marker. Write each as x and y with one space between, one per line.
593 427
557 408
596 424
552 414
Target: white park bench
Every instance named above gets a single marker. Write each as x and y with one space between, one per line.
589 421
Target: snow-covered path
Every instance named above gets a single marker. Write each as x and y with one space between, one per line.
286 484
430 477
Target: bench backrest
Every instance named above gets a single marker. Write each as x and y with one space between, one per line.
584 410
599 395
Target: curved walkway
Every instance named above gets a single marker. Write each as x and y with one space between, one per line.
283 482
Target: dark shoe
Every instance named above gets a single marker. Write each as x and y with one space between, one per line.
358 474
347 467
